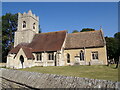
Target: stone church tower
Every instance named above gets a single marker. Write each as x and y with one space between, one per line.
28 26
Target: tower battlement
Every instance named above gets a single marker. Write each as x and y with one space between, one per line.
28 26
29 14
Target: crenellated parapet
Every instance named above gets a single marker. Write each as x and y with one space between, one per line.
29 14
28 26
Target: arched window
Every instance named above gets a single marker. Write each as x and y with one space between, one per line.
33 25
22 60
24 24
81 55
68 58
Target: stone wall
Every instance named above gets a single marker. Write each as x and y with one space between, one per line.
40 80
2 64
102 57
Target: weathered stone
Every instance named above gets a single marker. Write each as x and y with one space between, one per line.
40 80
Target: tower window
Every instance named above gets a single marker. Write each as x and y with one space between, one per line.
24 24
81 55
33 25
68 58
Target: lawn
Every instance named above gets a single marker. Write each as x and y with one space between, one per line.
94 72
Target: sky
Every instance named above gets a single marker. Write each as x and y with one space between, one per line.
56 16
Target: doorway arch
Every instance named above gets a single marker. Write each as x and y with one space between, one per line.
22 60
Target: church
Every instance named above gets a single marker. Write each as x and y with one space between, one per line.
59 48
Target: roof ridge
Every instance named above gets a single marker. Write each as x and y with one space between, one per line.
52 32
84 32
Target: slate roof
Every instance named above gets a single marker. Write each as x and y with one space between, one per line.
85 39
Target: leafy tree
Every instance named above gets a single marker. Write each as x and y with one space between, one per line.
87 29
117 55
9 26
0 39
75 31
113 47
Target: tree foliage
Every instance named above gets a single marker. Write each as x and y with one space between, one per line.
113 46
9 26
87 29
75 31
0 39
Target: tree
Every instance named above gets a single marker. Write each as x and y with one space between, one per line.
75 31
117 55
0 39
9 26
111 47
87 29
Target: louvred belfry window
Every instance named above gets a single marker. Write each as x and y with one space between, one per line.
24 24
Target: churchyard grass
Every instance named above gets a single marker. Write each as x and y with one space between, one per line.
102 72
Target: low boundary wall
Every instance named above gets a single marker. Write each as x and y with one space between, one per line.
40 80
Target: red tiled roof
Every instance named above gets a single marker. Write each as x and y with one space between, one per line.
84 39
16 49
51 41
28 52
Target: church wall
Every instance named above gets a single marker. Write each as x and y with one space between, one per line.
23 37
44 61
26 63
88 56
28 26
10 61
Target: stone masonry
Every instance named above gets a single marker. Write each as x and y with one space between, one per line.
40 80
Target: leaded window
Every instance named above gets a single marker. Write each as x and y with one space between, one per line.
68 58
39 56
24 24
51 56
33 25
95 55
81 55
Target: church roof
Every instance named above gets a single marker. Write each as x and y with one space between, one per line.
51 41
85 39
27 50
